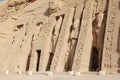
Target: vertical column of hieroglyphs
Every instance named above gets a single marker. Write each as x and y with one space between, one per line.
61 47
83 49
110 55
54 38
74 36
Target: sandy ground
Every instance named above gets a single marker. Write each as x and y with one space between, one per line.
38 76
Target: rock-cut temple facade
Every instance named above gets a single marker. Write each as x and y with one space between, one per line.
60 35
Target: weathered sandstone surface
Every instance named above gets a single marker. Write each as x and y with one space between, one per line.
60 35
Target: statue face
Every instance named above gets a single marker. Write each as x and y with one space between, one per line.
100 16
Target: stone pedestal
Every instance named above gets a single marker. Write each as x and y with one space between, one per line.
19 72
29 73
7 72
49 73
70 72
101 72
77 73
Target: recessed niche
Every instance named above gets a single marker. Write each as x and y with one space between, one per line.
20 26
38 23
38 59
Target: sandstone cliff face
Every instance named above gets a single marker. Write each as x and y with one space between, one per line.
60 35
